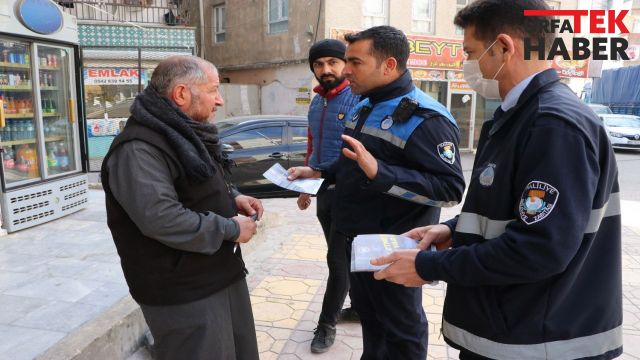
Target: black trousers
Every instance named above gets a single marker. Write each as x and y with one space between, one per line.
337 261
394 325
217 327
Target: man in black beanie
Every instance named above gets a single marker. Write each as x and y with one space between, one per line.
327 113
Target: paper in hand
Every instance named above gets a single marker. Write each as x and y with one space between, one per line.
278 175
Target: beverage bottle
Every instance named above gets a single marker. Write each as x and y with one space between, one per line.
52 161
30 131
10 131
7 158
53 108
51 83
62 156
21 161
32 163
5 56
55 61
27 59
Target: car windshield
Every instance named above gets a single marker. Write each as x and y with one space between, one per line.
631 122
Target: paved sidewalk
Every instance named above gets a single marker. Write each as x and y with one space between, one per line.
59 277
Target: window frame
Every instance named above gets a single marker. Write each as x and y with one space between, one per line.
215 28
460 31
281 19
372 16
430 19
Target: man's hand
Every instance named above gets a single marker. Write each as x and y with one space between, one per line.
402 269
365 160
248 228
302 172
248 206
304 200
439 235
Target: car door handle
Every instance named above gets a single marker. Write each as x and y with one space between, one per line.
276 155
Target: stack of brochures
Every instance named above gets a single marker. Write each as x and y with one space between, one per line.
367 247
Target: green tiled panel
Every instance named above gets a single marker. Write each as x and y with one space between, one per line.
107 35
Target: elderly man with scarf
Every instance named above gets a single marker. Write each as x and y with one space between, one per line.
174 217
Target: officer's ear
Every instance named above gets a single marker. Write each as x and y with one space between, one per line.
506 47
390 65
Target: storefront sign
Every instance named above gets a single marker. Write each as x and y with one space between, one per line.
40 16
571 68
113 76
459 86
428 75
426 52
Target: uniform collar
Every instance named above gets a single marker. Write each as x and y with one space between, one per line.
539 81
514 94
333 92
394 89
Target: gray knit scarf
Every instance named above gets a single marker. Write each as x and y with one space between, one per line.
196 144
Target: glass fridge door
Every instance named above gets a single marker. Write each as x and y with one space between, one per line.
20 150
57 103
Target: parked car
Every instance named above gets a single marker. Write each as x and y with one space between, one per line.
623 130
600 109
255 143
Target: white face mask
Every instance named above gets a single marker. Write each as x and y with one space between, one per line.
487 88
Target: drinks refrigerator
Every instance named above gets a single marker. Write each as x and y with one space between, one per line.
42 174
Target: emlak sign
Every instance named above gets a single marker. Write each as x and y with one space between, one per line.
112 76
598 22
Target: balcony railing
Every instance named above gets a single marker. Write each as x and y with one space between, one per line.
161 12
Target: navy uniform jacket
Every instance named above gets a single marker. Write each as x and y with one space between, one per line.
535 268
418 165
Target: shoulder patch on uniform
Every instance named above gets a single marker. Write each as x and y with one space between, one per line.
447 152
537 201
341 116
487 175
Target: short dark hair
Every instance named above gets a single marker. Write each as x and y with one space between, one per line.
387 42
492 17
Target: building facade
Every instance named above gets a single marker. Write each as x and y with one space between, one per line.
121 42
266 42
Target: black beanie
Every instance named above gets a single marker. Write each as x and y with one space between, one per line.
326 48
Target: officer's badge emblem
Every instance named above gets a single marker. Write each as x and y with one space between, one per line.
537 201
341 116
447 152
386 123
487 175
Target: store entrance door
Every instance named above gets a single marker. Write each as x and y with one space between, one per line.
462 105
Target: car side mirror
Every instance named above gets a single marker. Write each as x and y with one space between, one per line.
227 149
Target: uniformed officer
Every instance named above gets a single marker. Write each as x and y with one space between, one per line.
399 165
534 268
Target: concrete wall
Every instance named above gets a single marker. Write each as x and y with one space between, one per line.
247 41
289 93
239 100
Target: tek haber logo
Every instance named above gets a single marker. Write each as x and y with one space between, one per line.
600 22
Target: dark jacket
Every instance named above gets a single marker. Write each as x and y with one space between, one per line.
327 115
535 268
157 271
418 164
